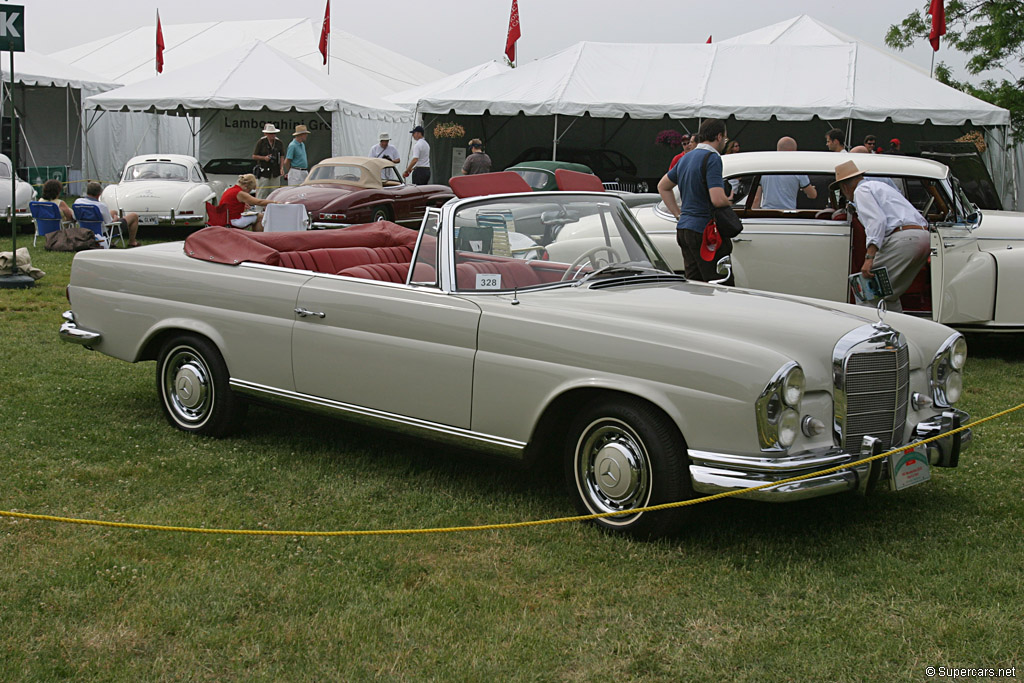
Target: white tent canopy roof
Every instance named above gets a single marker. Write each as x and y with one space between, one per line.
750 81
409 98
128 57
33 68
238 79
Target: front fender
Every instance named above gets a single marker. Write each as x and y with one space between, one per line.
1009 307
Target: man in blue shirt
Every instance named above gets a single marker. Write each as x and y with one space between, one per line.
295 164
700 189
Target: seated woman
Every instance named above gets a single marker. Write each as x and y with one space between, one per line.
51 192
238 199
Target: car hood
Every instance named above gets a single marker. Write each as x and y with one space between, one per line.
140 195
731 321
1006 227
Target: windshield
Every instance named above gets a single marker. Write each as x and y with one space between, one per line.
507 243
965 209
155 170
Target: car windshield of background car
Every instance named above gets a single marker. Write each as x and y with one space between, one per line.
155 170
339 173
424 269
538 180
389 176
579 233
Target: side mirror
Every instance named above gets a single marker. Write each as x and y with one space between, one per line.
724 268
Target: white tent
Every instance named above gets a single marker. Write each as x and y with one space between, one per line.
408 98
129 58
834 79
47 98
219 89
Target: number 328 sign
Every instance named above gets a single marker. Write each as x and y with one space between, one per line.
12 28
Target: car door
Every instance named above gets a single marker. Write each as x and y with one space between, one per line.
399 349
792 252
963 277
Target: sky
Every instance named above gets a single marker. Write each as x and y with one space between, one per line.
451 35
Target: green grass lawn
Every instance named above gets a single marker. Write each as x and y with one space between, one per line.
835 589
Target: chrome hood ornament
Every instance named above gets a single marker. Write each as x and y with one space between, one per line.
881 314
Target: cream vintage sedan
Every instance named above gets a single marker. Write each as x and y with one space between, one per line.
645 387
972 280
164 189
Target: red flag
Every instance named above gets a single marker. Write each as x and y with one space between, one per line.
513 33
938 12
159 45
325 32
709 40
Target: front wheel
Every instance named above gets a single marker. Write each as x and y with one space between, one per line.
192 381
623 454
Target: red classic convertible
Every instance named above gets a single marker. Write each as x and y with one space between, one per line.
349 190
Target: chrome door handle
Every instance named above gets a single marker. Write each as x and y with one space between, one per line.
304 313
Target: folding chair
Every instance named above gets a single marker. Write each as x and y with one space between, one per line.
47 217
217 215
285 218
89 216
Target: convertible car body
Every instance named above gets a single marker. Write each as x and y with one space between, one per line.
647 388
972 280
351 190
164 189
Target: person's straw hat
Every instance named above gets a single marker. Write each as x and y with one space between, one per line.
383 137
845 171
270 128
300 130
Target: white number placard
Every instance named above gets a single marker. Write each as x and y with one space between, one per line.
488 280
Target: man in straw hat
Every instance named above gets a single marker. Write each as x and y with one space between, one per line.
895 232
385 150
267 156
295 165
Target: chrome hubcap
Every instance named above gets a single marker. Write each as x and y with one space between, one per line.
612 469
188 386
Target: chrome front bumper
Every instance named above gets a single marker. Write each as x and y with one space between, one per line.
718 472
73 334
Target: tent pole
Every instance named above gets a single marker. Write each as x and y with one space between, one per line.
554 142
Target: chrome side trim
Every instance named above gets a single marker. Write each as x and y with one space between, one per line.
378 418
70 332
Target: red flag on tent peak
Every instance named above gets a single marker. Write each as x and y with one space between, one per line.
938 12
159 45
513 33
709 40
325 32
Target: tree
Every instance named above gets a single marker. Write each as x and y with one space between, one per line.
991 33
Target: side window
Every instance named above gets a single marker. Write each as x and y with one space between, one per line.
197 175
424 266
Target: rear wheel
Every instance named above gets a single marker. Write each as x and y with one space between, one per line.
381 214
623 454
192 381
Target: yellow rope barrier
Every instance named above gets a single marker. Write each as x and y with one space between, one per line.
493 527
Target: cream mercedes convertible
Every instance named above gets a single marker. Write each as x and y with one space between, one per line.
647 388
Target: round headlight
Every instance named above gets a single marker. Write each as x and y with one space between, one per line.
789 426
954 387
958 354
793 387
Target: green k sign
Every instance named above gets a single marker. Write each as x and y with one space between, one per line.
12 28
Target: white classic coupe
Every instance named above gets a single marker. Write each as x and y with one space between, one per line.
972 280
645 387
164 189
23 192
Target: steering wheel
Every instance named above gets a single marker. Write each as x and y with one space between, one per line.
589 254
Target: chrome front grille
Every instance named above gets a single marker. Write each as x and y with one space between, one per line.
872 383
877 386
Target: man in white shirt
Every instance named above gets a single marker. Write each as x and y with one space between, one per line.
385 150
419 165
129 223
895 232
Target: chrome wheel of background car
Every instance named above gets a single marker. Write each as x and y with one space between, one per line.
576 267
192 381
624 454
381 214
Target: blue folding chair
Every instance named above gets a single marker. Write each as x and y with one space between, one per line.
47 217
89 216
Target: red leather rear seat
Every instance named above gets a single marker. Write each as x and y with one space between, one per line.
333 260
386 272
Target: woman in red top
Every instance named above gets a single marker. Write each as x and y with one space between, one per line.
237 200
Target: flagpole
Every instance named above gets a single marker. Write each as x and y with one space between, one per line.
931 71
